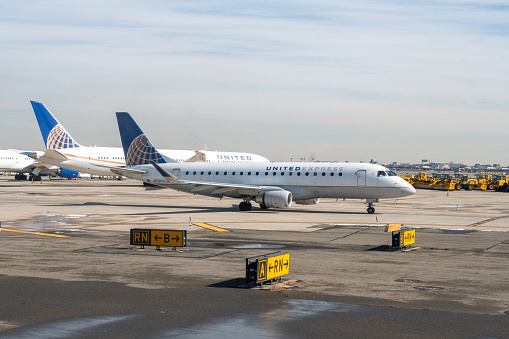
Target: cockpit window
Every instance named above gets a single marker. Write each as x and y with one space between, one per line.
381 173
392 174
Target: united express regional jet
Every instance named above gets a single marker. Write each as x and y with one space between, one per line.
268 184
63 151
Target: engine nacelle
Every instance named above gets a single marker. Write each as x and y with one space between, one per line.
307 202
68 174
277 199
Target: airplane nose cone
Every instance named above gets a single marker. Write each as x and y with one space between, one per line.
407 189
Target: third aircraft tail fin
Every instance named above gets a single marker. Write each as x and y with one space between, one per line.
53 133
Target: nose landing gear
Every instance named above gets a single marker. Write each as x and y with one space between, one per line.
370 203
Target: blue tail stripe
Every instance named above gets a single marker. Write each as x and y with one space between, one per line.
161 171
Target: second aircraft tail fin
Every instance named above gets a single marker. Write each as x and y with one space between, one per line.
138 150
53 133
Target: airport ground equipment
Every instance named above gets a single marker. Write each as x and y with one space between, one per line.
500 183
445 181
267 267
403 238
420 180
477 183
155 237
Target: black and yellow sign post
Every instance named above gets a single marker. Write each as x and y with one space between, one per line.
170 238
267 267
403 238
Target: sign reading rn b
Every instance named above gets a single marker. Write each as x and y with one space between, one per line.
148 237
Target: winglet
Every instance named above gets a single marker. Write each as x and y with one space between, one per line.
168 177
53 133
138 150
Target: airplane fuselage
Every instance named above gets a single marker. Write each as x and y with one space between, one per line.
304 180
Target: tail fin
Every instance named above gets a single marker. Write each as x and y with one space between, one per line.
53 133
138 150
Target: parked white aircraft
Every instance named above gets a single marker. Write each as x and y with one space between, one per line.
268 184
63 151
20 163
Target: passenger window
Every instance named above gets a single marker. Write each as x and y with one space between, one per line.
201 173
241 173
266 173
290 174
332 174
194 173
273 173
340 174
225 173
257 173
187 172
298 174
248 173
282 173
210 173
233 173
307 174
315 174
217 173
323 174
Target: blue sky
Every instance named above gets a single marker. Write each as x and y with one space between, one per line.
330 80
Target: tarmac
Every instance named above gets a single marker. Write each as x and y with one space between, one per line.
68 269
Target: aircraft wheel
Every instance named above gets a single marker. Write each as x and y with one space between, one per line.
371 210
245 206
263 207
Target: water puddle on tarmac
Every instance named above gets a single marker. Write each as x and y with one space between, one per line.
246 325
263 325
68 328
43 221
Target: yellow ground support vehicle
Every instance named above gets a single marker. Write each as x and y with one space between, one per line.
420 180
500 183
446 182
477 183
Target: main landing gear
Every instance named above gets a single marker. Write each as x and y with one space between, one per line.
245 206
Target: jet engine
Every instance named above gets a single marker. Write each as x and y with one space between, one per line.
277 199
307 202
68 174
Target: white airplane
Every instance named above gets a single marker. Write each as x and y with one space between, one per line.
269 184
63 151
20 163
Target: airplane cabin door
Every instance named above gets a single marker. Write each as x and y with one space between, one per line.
361 178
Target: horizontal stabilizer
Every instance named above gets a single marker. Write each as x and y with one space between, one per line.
126 172
51 153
